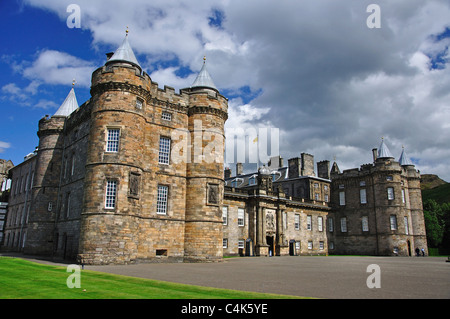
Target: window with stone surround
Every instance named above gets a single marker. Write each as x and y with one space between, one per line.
309 222
365 223
343 224
164 150
297 221
320 223
111 192
362 196
390 193
342 198
166 116
240 217
393 222
225 215
161 200
112 142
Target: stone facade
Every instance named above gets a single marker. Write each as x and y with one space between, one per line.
136 174
377 209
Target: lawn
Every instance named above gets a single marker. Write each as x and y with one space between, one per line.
22 279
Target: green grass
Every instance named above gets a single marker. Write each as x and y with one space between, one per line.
22 279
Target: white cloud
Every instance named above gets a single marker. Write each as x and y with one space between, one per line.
3 146
332 85
55 67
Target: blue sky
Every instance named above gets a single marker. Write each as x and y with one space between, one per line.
312 69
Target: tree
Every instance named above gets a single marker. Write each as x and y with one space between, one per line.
434 222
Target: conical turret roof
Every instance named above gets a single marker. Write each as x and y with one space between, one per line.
124 53
383 151
204 78
69 105
404 160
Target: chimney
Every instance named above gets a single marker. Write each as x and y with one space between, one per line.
294 167
307 165
227 173
323 169
374 154
239 169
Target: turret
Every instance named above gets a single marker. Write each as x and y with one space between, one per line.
204 171
115 160
48 171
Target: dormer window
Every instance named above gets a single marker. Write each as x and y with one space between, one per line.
252 180
236 182
275 176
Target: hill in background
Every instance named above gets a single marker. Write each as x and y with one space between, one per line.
435 188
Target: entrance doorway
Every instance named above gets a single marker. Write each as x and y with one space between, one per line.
269 240
409 248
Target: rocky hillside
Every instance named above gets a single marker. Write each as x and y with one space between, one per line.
435 188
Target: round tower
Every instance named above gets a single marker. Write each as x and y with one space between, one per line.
40 233
207 114
115 160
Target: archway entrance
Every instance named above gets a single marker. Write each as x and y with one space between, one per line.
269 241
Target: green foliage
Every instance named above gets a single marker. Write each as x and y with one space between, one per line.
437 224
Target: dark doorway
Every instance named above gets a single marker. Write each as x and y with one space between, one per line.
292 248
409 248
269 240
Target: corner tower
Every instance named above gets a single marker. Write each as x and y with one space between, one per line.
207 113
115 160
45 188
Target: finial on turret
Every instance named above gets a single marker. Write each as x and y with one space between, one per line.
126 32
73 82
204 59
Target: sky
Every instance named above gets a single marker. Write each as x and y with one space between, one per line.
331 78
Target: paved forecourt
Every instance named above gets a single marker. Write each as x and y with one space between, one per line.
321 277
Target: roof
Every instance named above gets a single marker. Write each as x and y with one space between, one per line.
404 160
204 79
125 53
69 105
384 152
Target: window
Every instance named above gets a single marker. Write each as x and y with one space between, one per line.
112 143
344 224
403 196
362 183
240 217
225 243
67 205
164 150
252 180
389 178
225 215
297 221
393 221
241 243
321 245
330 224
310 245
320 223
342 198
331 245
390 193
362 196
316 196
365 223
405 219
161 200
326 198
111 190
309 222
166 116
139 103
297 246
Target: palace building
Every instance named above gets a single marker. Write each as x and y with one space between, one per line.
136 174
